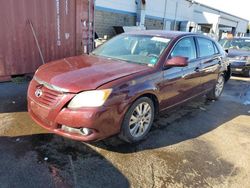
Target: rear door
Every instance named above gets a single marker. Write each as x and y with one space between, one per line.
210 59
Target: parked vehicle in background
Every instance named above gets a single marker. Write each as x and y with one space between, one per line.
125 83
239 54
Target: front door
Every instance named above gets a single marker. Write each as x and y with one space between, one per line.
182 83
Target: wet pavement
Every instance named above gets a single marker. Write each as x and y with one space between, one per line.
202 144
13 97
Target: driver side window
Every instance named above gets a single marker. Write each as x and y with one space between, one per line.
185 48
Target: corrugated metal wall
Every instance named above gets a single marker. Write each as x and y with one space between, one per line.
62 28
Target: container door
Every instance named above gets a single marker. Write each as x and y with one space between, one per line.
54 25
84 25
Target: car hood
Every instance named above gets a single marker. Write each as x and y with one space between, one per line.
85 72
234 53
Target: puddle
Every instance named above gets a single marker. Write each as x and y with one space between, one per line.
237 92
247 98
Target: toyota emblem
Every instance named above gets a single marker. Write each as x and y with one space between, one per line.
39 93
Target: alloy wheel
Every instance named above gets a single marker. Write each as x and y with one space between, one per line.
219 86
140 119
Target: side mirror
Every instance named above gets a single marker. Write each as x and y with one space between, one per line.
177 61
227 50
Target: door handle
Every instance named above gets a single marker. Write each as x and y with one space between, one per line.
197 69
219 59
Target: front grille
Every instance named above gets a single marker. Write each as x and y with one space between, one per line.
49 98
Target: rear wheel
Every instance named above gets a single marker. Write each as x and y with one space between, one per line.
216 92
138 120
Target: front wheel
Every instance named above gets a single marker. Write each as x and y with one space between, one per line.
216 92
138 120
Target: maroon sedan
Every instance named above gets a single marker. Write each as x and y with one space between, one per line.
125 83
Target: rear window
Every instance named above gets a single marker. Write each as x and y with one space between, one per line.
206 47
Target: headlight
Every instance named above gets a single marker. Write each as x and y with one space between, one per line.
93 98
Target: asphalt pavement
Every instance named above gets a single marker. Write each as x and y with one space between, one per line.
201 144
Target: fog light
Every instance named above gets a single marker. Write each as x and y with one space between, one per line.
86 131
81 131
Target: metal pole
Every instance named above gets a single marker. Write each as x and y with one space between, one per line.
37 43
165 11
175 15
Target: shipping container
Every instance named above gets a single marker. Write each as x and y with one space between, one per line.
33 32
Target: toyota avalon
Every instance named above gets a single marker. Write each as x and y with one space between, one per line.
121 86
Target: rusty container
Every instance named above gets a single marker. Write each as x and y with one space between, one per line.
33 32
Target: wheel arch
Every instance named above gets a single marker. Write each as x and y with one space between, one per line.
151 96
227 73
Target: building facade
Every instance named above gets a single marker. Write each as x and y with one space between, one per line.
182 15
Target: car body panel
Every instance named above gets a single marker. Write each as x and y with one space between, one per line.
235 53
238 66
76 71
210 68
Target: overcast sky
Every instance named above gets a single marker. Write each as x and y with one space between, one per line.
238 8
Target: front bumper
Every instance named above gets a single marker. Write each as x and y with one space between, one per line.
103 121
239 67
240 70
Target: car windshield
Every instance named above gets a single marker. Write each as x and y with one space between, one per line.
134 48
240 43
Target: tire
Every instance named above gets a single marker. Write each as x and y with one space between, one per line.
135 126
216 92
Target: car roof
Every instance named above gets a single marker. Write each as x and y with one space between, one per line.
162 33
